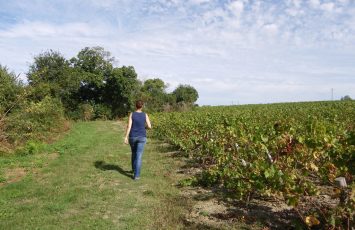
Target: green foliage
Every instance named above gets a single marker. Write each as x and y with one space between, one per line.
153 94
121 89
10 90
186 93
102 112
30 148
95 67
35 120
85 112
2 178
48 74
95 60
279 149
85 88
48 67
51 75
188 182
91 78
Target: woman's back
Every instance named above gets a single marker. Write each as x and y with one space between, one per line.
138 125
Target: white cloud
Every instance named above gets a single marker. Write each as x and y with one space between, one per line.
214 16
295 12
43 29
251 51
297 3
329 6
236 7
314 3
270 29
197 2
343 2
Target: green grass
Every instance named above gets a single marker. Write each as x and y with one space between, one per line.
82 182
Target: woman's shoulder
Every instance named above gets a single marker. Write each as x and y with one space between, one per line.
139 114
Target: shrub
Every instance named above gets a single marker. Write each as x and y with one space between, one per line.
30 148
86 112
4 145
102 112
35 120
10 89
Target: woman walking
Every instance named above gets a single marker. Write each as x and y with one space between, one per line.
136 137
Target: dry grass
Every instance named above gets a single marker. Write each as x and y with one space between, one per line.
13 175
5 147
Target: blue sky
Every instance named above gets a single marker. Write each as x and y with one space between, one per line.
240 51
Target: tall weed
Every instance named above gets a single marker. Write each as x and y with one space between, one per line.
35 121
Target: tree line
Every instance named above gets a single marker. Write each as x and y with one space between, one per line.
85 87
91 82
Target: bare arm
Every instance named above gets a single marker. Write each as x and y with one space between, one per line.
128 130
149 125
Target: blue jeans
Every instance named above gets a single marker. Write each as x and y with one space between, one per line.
137 147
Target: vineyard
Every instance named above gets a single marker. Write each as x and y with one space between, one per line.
288 150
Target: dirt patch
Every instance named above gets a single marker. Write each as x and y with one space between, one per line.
13 175
205 210
5 147
53 156
212 210
70 213
27 201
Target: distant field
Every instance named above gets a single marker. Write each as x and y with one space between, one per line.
287 150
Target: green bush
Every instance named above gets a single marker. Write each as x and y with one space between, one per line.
85 112
10 90
30 148
102 112
2 179
35 120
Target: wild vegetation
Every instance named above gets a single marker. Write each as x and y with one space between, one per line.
288 150
91 87
23 120
86 87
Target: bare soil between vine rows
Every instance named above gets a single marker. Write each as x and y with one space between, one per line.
213 209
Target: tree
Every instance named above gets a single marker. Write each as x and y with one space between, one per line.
94 60
90 82
10 89
51 75
95 67
346 98
47 74
186 94
154 95
121 89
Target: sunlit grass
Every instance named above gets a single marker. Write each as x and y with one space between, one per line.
82 182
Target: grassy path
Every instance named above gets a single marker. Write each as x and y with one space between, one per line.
85 184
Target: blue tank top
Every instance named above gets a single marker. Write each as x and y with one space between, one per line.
138 125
